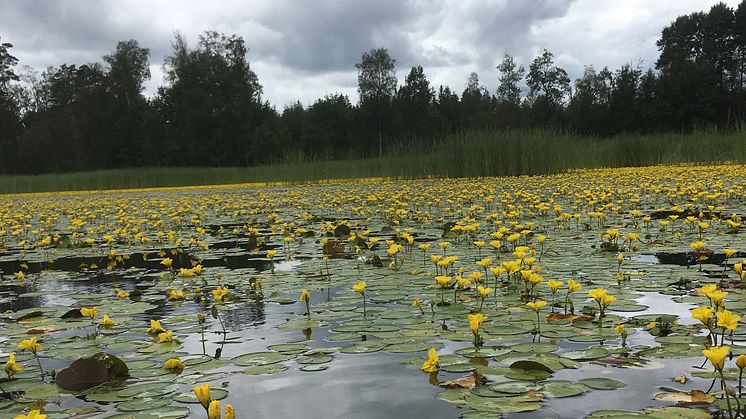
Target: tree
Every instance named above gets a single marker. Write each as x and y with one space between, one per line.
213 104
549 86
508 91
128 70
448 107
414 102
376 86
588 109
9 112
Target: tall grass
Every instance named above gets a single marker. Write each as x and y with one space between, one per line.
462 155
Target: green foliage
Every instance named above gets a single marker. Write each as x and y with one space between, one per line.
460 155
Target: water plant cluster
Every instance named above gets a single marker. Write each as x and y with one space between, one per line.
500 295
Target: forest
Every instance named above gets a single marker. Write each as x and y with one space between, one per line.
210 111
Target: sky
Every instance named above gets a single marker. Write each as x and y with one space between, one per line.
302 50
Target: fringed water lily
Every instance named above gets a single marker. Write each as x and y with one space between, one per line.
536 306
431 364
554 286
727 320
203 394
173 364
717 297
214 411
305 297
88 312
155 327
220 293
360 289
475 321
32 414
106 321
175 295
230 413
602 299
418 303
716 355
621 331
34 347
11 366
166 337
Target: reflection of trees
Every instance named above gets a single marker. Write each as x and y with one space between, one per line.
9 297
247 314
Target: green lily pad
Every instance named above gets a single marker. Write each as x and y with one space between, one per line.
602 383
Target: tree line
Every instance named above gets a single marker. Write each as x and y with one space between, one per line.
210 111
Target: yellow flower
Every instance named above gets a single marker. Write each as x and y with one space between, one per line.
167 262
213 412
155 327
706 289
31 345
535 278
607 300
203 394
476 276
271 254
703 314
359 287
19 275
173 364
573 286
738 268
698 246
652 325
484 263
462 282
728 320
620 258
484 292
597 294
175 295
741 361
541 238
88 312
475 320
717 355
554 285
536 306
230 413
730 252
305 296
166 337
219 293
444 245
11 367
443 281
431 365
106 321
619 329
417 303
33 414
122 294
717 297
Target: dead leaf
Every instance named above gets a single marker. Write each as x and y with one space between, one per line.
696 397
43 329
470 381
553 317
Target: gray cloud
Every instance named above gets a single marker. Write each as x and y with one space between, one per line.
302 50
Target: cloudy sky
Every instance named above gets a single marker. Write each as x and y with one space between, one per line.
302 50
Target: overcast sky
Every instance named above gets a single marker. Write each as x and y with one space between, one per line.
304 49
